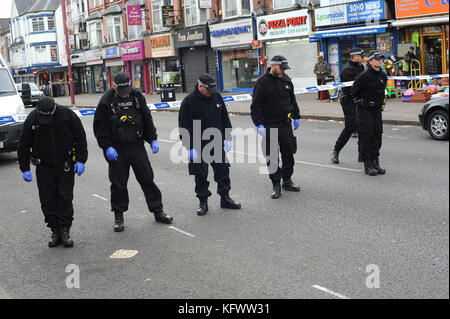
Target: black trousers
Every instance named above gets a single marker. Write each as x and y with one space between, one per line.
370 131
133 155
286 144
319 82
349 109
221 177
55 187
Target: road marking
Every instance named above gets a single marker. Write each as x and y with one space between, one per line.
182 231
3 294
330 292
123 254
102 198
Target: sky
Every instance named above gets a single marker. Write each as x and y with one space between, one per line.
5 6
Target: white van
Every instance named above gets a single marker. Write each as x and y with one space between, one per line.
12 111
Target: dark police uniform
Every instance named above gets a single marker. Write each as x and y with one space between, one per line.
368 91
211 112
125 124
273 101
349 73
53 148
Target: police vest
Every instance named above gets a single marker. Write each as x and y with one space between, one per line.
127 123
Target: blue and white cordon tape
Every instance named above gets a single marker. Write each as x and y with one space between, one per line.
239 98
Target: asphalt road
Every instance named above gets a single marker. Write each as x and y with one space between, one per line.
318 243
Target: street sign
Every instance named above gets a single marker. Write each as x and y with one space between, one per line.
168 16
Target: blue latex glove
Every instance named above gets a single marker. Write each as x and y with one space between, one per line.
79 168
193 155
111 154
228 146
27 177
296 124
261 130
155 147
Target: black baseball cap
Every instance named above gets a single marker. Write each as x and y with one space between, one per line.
412 48
375 55
209 82
357 51
122 81
44 109
281 61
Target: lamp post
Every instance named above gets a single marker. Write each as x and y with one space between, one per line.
69 62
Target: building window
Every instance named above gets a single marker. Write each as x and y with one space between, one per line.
40 54
157 16
37 24
134 31
51 23
280 4
193 14
114 28
236 8
95 34
54 53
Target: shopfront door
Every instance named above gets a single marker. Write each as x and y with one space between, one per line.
346 45
435 42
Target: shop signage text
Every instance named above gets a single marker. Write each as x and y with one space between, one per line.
110 53
168 16
159 46
350 13
283 25
132 51
238 32
160 42
205 4
408 8
191 37
134 15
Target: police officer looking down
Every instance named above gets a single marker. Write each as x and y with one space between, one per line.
368 90
205 107
57 140
349 73
273 108
122 123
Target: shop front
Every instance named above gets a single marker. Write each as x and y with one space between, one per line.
424 25
238 62
95 77
133 55
336 43
113 64
78 60
287 34
164 66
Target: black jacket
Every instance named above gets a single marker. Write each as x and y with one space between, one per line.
102 120
273 100
52 143
370 86
349 73
211 112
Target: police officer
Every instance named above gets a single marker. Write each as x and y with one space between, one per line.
122 123
274 107
205 108
57 140
349 73
368 90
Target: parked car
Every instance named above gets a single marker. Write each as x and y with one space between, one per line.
434 117
12 111
31 96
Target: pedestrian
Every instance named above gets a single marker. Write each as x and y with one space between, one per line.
57 140
273 109
122 123
322 70
349 73
368 90
433 62
205 108
409 57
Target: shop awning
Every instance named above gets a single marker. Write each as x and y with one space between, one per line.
421 21
55 69
349 31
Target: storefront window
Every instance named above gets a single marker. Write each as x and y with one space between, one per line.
333 59
98 78
384 42
366 42
167 71
240 69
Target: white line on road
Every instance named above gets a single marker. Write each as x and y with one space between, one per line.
182 231
102 198
3 294
328 291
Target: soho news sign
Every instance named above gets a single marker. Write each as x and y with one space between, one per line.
283 25
350 13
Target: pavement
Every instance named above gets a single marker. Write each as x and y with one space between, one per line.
328 241
396 112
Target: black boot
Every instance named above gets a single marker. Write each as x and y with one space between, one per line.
289 185
118 222
65 236
163 217
378 168
227 202
369 169
55 241
335 157
276 193
203 207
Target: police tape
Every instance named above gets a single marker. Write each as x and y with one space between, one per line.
240 97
